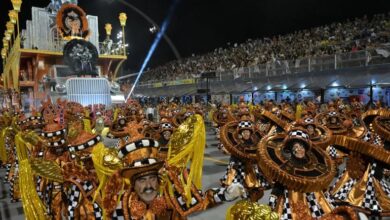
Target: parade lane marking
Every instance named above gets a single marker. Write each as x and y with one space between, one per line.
215 160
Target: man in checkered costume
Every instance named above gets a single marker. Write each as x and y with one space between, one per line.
79 174
288 198
143 178
243 177
165 130
364 185
220 117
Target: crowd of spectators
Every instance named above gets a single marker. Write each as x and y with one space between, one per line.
341 37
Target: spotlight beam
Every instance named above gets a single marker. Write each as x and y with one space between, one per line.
150 20
156 41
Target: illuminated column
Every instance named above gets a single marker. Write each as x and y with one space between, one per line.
122 19
108 28
17 4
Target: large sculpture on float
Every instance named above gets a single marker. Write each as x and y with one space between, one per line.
79 54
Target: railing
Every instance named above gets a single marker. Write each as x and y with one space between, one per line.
105 47
360 58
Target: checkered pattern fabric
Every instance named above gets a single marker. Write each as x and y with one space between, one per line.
315 208
299 134
309 120
56 143
287 212
385 187
240 175
219 194
38 187
144 162
86 145
367 137
332 114
73 201
369 200
53 134
332 152
337 179
11 188
329 198
117 145
97 211
118 213
87 186
236 164
342 194
264 183
377 140
166 126
7 170
14 180
32 118
245 124
182 202
372 137
272 201
137 145
48 194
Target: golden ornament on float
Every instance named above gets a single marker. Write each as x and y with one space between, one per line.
3 53
16 4
108 28
7 36
5 43
10 27
122 19
13 16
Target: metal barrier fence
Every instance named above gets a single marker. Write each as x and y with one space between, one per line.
362 58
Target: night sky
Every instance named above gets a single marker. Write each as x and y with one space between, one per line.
199 26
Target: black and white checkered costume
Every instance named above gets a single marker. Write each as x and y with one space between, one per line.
338 179
385 187
9 165
14 179
7 170
332 151
245 124
38 187
287 212
313 204
370 200
238 166
315 208
74 197
48 196
118 213
345 189
272 201
299 134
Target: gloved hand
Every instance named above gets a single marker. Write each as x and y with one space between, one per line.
234 191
